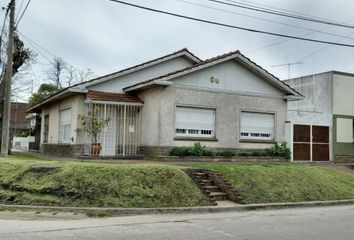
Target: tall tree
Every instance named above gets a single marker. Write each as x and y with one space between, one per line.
44 91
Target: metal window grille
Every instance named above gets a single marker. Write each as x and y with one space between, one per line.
121 136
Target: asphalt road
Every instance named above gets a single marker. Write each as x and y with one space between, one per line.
301 223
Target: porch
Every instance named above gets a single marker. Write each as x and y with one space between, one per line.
121 136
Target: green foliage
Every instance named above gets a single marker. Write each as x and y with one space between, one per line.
279 151
22 134
92 125
44 91
225 154
196 150
285 182
96 184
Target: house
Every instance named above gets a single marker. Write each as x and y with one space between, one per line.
321 126
18 123
225 102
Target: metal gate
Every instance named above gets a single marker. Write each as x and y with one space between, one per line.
121 136
310 143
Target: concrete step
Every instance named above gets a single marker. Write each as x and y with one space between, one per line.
218 196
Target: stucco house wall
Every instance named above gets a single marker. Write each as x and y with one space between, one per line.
158 116
76 103
315 108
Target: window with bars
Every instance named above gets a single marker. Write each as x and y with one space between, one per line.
65 126
195 122
257 126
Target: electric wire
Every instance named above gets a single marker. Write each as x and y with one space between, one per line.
228 25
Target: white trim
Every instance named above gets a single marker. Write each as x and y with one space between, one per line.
142 66
147 84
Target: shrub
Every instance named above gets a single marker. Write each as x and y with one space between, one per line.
244 154
180 151
196 150
227 154
280 151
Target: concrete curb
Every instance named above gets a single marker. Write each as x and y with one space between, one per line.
207 209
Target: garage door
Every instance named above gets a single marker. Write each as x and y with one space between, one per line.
310 143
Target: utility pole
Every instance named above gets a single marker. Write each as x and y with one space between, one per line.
7 84
289 66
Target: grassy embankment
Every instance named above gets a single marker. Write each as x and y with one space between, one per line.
30 180
285 182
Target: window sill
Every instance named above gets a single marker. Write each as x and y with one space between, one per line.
257 141
196 139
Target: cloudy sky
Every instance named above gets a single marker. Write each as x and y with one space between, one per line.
106 36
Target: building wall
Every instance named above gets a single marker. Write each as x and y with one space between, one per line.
228 76
158 116
316 107
343 113
117 84
76 103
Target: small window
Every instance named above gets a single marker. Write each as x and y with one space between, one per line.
195 122
257 126
65 126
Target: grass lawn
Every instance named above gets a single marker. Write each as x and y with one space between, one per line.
285 182
31 180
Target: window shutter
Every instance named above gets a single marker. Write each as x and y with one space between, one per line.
257 125
65 125
192 118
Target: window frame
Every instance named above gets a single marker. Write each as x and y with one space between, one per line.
257 139
199 136
61 139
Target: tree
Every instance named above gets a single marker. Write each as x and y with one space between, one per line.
55 73
62 74
44 91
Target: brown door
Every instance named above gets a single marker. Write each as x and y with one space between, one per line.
320 143
310 139
302 143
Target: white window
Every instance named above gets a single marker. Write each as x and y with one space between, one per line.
195 122
65 126
257 126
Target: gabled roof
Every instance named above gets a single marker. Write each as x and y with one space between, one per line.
80 87
213 61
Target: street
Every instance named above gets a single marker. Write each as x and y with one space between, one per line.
301 223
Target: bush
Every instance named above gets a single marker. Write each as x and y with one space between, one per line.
196 150
227 154
280 151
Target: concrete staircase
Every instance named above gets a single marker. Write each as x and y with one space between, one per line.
213 185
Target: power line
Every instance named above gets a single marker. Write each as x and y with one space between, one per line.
24 10
3 24
230 26
263 19
20 8
280 10
283 14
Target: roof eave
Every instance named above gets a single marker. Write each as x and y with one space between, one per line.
146 85
55 97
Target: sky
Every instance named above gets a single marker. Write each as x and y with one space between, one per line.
106 36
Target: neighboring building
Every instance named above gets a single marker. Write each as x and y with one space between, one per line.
321 126
226 102
18 122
